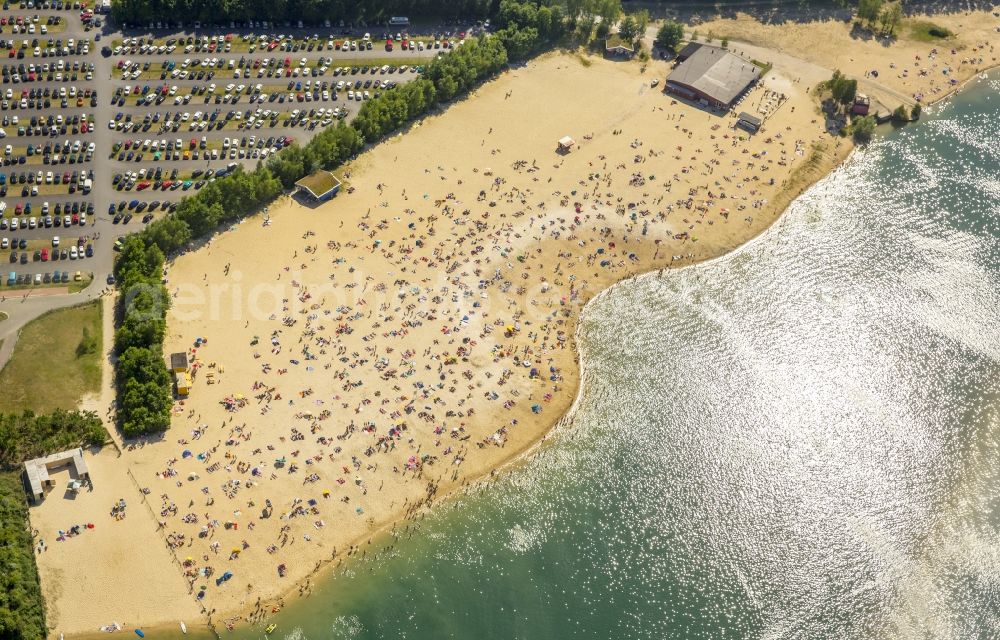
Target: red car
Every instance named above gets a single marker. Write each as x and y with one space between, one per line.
139 187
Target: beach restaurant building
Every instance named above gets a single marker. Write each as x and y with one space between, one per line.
320 186
713 76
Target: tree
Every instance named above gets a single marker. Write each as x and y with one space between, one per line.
868 10
641 21
725 43
628 30
669 35
863 128
899 114
844 90
169 233
607 10
915 112
890 18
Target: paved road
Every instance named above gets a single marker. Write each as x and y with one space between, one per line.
24 305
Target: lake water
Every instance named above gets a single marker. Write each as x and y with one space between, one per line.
799 440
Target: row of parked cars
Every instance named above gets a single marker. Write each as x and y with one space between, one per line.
15 279
48 49
44 255
57 5
46 221
200 121
46 177
61 71
51 125
162 149
155 179
69 208
50 151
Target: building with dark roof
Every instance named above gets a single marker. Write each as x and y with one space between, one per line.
749 122
714 76
178 361
688 51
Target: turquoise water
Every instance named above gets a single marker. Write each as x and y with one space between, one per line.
799 440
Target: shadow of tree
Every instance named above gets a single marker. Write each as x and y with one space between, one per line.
866 34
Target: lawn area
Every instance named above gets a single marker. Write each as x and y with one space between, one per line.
928 31
45 372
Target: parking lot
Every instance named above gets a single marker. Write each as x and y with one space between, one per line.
103 130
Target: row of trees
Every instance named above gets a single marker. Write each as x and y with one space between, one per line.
22 609
311 11
143 381
25 435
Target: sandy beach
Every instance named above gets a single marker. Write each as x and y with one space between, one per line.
358 360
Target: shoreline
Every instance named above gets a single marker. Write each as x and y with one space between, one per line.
801 179
785 197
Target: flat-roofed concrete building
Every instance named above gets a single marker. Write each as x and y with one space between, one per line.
36 471
714 76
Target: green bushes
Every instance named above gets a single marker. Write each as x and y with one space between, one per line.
863 128
844 89
22 609
143 382
25 435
